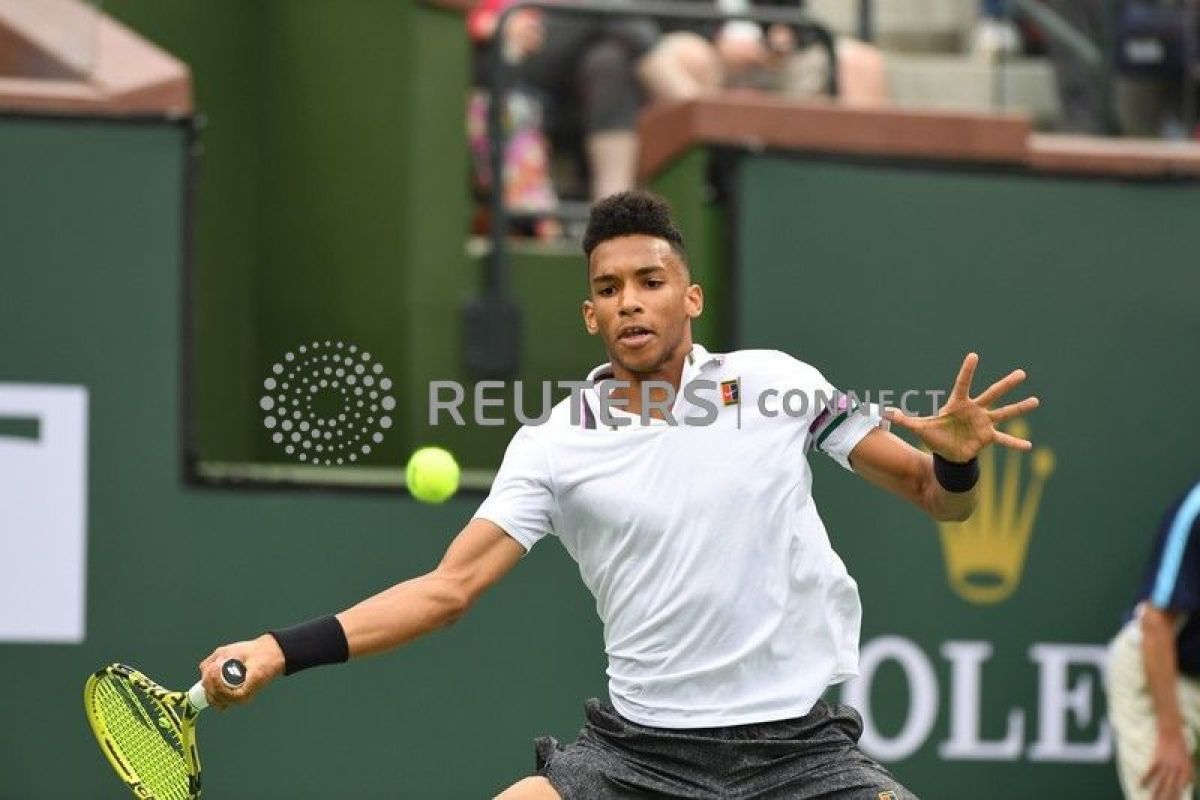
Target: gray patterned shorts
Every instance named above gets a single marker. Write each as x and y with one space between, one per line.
814 756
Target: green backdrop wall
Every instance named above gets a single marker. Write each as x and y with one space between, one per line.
1090 285
329 205
92 270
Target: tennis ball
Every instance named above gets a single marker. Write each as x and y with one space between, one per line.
432 475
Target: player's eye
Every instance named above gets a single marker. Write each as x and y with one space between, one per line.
607 291
654 283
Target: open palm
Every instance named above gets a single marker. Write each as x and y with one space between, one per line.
965 425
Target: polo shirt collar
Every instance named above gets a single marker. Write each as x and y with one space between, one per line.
697 361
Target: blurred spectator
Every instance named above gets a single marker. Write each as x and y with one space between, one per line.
995 35
528 189
598 64
1154 665
1157 61
746 55
1154 88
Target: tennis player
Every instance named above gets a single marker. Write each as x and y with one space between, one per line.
679 484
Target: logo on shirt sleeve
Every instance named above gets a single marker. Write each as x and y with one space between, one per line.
731 392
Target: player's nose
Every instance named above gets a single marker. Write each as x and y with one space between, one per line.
630 302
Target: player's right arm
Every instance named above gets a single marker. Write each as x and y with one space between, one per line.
1171 769
478 557
519 510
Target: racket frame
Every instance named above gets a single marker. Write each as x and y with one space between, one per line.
178 708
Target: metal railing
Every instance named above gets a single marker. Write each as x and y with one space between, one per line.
1097 57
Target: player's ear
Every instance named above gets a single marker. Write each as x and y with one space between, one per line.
693 301
589 317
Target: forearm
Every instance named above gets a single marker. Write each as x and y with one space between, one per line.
888 461
478 557
402 613
1158 655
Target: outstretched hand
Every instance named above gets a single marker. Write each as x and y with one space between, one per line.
965 425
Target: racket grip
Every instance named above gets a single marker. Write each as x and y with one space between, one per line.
233 675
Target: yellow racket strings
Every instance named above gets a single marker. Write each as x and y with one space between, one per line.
143 737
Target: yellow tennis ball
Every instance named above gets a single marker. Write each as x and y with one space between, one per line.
432 475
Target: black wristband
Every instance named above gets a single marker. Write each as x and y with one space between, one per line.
954 476
313 643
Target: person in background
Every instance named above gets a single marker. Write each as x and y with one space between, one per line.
740 54
995 35
606 65
1157 61
1154 665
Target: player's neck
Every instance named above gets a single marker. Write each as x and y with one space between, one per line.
669 372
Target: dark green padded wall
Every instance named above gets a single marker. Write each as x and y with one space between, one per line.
221 41
91 226
884 277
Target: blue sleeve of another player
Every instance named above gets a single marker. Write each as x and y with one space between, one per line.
1177 577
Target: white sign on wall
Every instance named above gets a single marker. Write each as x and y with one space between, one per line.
43 512
1070 697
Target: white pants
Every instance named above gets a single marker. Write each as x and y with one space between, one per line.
1131 711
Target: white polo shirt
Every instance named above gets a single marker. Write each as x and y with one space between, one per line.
722 600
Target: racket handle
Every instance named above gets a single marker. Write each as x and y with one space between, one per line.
233 675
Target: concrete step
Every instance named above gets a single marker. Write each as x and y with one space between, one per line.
905 25
967 84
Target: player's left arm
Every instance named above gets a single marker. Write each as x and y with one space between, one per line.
887 461
958 433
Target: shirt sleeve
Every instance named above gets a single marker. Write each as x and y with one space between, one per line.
1174 575
841 421
522 500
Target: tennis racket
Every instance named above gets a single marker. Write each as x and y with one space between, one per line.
148 733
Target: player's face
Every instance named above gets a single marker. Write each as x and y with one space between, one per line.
641 302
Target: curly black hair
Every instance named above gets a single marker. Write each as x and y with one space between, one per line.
632 212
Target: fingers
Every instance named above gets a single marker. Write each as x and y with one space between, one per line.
1176 782
220 694
1000 387
262 659
1167 782
1014 409
898 417
962 384
1015 442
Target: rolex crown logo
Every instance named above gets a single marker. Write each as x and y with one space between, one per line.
985 555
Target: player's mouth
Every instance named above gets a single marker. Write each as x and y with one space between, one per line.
634 335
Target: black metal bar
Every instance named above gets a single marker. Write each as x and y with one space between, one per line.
1053 23
866 20
1098 57
1191 51
1108 55
189 444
